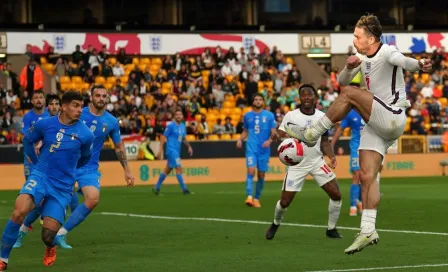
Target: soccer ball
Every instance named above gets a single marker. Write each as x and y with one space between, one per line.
290 152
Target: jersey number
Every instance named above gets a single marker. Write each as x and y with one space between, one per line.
355 162
30 185
54 146
257 129
325 169
368 82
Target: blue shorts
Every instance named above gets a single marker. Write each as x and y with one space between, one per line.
258 161
354 161
173 159
88 178
53 200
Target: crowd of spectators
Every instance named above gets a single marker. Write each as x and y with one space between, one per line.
213 89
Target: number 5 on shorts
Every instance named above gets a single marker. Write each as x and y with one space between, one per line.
30 185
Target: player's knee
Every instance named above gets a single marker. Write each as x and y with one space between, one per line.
366 176
336 196
18 216
261 175
284 202
91 202
48 236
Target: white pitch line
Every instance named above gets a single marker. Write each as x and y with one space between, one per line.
261 223
382 268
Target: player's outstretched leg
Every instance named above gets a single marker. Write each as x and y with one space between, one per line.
162 177
334 208
250 185
280 209
350 97
259 190
29 220
24 204
91 199
49 231
370 164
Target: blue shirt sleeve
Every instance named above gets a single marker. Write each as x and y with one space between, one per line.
166 133
26 123
272 121
345 123
115 132
32 136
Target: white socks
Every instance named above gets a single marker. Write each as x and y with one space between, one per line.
368 220
321 126
62 231
24 228
334 209
279 212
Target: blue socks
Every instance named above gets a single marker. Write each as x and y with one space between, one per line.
259 188
354 194
9 238
76 218
249 184
30 218
74 202
160 181
180 179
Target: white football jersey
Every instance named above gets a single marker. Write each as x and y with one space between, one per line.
312 155
382 77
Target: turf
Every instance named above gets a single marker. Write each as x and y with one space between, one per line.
117 243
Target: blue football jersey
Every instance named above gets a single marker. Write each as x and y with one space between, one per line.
101 127
258 126
356 124
62 147
175 134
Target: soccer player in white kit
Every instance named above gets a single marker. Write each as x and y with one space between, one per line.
312 164
382 107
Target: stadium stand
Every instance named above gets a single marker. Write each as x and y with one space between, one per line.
213 90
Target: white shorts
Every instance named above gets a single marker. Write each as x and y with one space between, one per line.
295 177
385 126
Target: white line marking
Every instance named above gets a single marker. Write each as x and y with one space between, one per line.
382 268
261 223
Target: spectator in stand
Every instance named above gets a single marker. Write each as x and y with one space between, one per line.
77 55
107 70
226 70
427 91
118 71
3 92
28 52
121 56
228 127
51 56
240 126
31 77
3 135
13 137
94 62
7 120
218 128
203 129
81 70
60 68
10 98
13 76
104 54
250 89
445 89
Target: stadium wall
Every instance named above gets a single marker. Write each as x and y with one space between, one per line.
233 170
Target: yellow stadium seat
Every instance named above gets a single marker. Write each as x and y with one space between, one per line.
289 60
260 85
211 117
154 67
346 132
230 97
64 79
167 85
129 67
270 84
229 78
226 137
190 137
213 111
108 85
145 61
192 60
43 60
65 86
443 101
112 60
213 137
111 79
236 111
76 79
124 79
246 110
236 136
100 80
166 91
135 61
226 111
48 66
157 61
203 110
228 104
235 117
142 67
211 124
85 86
198 117
425 77
205 73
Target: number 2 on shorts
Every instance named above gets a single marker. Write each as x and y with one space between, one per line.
30 185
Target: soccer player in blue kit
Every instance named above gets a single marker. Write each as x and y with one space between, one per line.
37 113
67 144
356 124
258 126
173 135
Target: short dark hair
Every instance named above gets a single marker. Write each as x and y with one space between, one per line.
38 92
70 96
308 86
51 97
259 95
96 87
371 24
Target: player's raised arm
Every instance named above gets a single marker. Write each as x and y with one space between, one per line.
350 70
327 150
33 135
396 58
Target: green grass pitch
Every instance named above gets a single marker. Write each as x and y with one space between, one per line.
175 243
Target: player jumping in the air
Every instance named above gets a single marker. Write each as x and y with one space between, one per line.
174 135
66 145
312 164
382 107
258 126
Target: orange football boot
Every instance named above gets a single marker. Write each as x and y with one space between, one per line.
50 256
249 201
256 203
3 266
